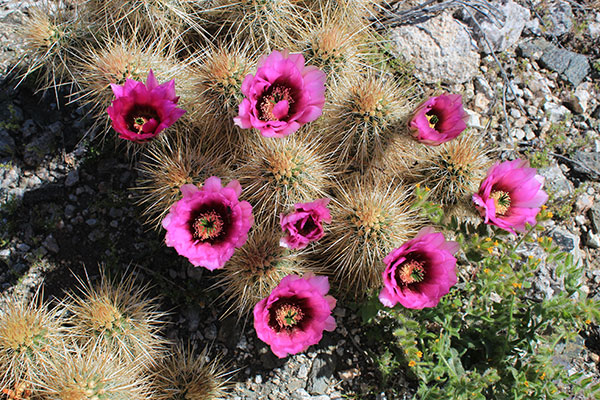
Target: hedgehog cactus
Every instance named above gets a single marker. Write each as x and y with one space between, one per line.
324 116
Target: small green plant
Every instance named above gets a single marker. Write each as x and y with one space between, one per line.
13 122
491 337
541 158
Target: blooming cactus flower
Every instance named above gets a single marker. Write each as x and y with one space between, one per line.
304 224
141 111
438 119
282 96
208 223
295 314
420 272
510 196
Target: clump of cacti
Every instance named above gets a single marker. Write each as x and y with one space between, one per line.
289 103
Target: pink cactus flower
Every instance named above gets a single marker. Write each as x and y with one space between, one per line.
511 196
282 96
304 224
439 119
208 223
420 272
295 314
141 111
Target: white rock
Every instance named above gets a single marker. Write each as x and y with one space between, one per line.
507 33
593 28
440 48
519 134
555 112
474 120
538 83
481 102
593 240
583 96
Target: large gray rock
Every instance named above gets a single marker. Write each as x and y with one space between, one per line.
558 19
440 48
503 33
567 242
587 164
320 374
573 67
556 183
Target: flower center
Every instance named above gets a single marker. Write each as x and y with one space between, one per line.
270 107
308 227
143 119
207 225
501 201
288 315
138 123
411 272
432 118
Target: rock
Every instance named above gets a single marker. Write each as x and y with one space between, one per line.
229 332
556 112
481 102
23 247
571 66
474 120
592 240
583 96
587 164
7 143
483 87
44 194
440 48
72 178
29 128
558 19
593 27
51 244
567 241
501 37
40 146
320 374
538 84
594 215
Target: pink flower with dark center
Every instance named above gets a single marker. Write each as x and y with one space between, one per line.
141 111
304 224
439 119
208 223
420 272
295 314
511 196
282 96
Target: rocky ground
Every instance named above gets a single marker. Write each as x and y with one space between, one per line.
67 204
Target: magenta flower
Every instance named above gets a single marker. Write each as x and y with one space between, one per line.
420 272
304 224
282 96
439 119
510 196
209 223
141 111
295 314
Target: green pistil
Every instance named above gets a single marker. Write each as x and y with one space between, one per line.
138 124
288 315
432 119
501 201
